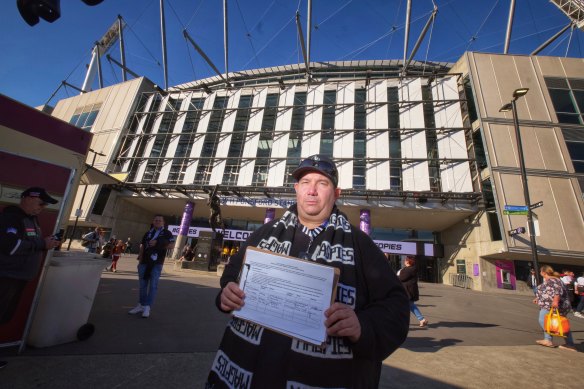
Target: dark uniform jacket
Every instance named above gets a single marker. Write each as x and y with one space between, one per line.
21 244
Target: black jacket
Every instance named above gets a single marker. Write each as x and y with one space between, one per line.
409 278
21 244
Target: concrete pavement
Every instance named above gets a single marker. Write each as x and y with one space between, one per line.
474 340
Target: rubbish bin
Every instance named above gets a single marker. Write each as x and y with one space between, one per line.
66 298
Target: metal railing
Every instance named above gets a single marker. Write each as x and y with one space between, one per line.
461 280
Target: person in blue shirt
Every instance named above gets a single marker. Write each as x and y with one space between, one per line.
151 256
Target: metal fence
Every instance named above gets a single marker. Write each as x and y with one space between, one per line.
461 280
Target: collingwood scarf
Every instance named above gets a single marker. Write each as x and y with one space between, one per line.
248 349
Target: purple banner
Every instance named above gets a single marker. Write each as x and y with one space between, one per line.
186 219
270 215
365 221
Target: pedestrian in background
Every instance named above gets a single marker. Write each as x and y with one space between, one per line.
117 251
552 293
151 256
128 245
21 248
532 281
93 241
579 291
408 275
568 278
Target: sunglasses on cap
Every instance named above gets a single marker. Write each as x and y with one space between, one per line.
318 164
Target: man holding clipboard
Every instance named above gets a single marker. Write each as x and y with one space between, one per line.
367 322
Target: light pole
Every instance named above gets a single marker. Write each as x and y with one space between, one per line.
513 108
78 212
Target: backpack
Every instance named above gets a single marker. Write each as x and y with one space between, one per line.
88 239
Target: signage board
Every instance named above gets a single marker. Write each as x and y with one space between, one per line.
507 212
516 207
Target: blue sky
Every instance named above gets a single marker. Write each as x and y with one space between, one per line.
262 33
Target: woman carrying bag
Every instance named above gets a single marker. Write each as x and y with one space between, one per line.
408 275
551 293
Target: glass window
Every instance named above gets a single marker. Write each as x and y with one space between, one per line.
576 150
101 200
460 266
360 113
562 100
295 138
74 119
91 118
479 150
579 97
393 106
82 118
494 226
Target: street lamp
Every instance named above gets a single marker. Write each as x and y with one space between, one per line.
513 108
78 212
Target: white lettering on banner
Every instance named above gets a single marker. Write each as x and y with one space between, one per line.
335 348
247 330
396 247
237 235
230 373
346 294
262 202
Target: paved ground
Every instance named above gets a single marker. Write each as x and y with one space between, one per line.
475 340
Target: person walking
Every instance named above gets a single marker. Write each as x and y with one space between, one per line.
579 291
117 251
408 275
552 293
128 246
367 322
93 240
532 281
151 256
21 248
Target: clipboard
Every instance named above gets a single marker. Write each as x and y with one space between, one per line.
286 294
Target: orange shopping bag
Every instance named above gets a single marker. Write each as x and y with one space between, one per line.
556 324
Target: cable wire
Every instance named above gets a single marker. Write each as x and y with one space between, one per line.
248 34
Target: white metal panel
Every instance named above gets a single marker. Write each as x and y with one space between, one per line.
173 144
191 171
455 176
312 121
415 175
343 145
225 140
277 169
254 129
377 176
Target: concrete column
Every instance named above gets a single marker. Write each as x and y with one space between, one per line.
270 214
183 232
365 221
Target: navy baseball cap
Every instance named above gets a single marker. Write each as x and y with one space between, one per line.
41 193
319 164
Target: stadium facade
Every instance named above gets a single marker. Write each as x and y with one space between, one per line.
428 163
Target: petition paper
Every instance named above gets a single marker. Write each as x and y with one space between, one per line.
285 294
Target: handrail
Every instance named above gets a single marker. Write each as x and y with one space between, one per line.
461 280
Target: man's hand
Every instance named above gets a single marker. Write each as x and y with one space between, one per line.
51 242
342 321
232 297
152 243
